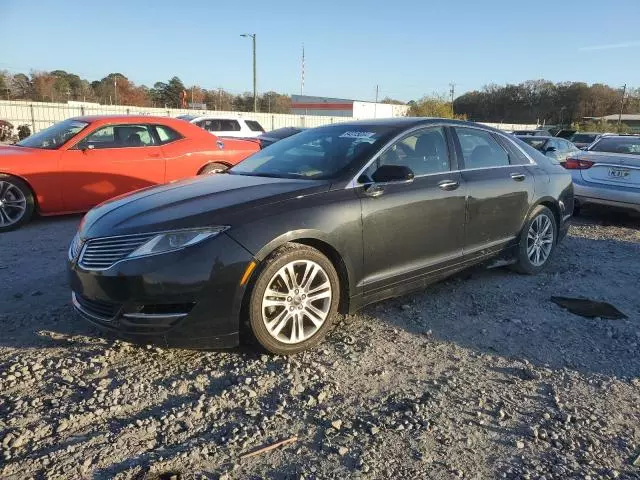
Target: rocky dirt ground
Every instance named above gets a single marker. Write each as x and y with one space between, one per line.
480 376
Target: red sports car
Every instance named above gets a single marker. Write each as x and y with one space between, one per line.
80 162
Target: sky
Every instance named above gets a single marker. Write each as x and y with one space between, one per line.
408 48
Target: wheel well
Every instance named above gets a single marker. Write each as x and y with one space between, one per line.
336 259
33 192
554 208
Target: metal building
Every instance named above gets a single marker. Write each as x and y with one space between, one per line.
341 107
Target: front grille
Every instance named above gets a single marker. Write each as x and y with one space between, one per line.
74 248
102 253
96 308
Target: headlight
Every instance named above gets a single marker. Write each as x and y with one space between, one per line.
169 241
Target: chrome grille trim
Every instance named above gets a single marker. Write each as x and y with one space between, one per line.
103 253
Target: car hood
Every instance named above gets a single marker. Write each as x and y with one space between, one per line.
192 203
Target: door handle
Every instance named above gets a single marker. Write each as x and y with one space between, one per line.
373 190
448 185
518 177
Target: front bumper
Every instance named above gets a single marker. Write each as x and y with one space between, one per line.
627 198
189 298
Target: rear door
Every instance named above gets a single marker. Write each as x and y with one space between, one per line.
499 190
110 161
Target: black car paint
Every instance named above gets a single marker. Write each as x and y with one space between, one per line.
381 245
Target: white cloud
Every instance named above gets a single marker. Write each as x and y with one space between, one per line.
612 46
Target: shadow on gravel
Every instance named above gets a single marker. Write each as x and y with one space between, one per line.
499 312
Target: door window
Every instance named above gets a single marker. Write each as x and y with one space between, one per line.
119 136
424 152
229 126
480 149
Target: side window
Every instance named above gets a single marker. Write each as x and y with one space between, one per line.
480 149
229 126
515 154
254 126
166 134
120 136
424 152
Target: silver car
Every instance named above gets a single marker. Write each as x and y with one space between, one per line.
608 172
553 147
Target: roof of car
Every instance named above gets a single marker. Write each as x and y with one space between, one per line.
539 137
124 118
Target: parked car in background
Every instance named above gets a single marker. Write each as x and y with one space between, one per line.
583 139
81 162
538 133
273 136
226 127
333 218
608 173
553 147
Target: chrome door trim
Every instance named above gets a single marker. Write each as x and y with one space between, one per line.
354 181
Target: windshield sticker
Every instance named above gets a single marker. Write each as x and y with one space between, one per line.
357 135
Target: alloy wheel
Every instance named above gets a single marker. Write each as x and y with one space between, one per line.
540 240
13 204
296 302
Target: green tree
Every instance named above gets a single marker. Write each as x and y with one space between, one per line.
431 106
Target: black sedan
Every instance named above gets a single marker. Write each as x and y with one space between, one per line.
328 220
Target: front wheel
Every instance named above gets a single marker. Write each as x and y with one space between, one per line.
537 241
294 300
16 203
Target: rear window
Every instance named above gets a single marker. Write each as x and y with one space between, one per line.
536 143
630 145
254 126
583 138
166 134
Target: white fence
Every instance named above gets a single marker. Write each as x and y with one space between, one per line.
40 115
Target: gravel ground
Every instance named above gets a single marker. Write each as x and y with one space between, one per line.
480 376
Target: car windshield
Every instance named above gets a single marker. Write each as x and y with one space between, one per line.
537 143
320 153
583 137
54 136
617 145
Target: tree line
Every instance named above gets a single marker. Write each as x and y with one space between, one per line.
545 102
533 101
117 89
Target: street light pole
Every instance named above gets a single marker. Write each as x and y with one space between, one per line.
255 93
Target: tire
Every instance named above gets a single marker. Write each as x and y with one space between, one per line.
213 168
288 321
527 260
16 203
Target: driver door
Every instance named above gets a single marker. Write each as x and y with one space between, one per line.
110 161
412 228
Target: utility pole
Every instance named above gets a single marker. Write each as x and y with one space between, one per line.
255 94
452 92
375 106
115 89
302 73
624 91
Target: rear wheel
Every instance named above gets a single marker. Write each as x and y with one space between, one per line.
16 203
294 300
537 241
213 168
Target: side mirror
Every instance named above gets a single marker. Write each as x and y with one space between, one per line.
550 150
392 173
84 146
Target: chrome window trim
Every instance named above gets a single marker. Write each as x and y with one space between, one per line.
354 181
